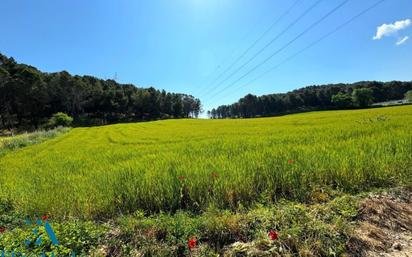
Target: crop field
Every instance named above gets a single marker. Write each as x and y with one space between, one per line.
101 172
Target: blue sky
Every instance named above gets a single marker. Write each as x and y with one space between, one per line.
183 45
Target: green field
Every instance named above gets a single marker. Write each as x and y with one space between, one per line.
101 172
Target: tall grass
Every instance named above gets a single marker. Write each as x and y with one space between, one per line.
26 139
195 164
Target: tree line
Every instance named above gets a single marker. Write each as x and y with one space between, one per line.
322 97
29 97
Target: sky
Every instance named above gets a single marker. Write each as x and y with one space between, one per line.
188 46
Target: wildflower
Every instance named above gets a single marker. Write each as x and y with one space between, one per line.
291 161
2 230
44 218
273 235
192 243
215 174
181 178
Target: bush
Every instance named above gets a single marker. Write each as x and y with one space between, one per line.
408 96
342 100
362 97
60 119
77 237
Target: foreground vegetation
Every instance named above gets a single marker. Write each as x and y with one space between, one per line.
194 165
321 228
330 224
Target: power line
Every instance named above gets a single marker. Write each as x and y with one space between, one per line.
199 89
307 11
330 33
274 23
285 46
245 36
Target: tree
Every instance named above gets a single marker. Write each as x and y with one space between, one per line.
362 97
408 96
60 119
309 98
342 100
28 97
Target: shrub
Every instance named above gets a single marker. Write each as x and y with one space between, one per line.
408 96
362 97
60 119
73 236
342 100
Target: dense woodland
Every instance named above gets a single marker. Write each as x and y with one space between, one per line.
29 97
324 97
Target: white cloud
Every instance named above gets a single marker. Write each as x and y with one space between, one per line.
390 29
402 41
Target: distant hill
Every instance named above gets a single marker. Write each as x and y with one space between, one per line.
323 97
28 97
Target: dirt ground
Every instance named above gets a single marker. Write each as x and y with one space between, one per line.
384 226
383 229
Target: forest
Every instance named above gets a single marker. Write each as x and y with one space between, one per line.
323 97
29 97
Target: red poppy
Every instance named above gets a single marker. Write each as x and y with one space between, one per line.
290 161
44 218
2 230
192 243
215 174
181 178
273 235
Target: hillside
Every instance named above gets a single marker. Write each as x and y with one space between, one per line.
29 97
311 98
